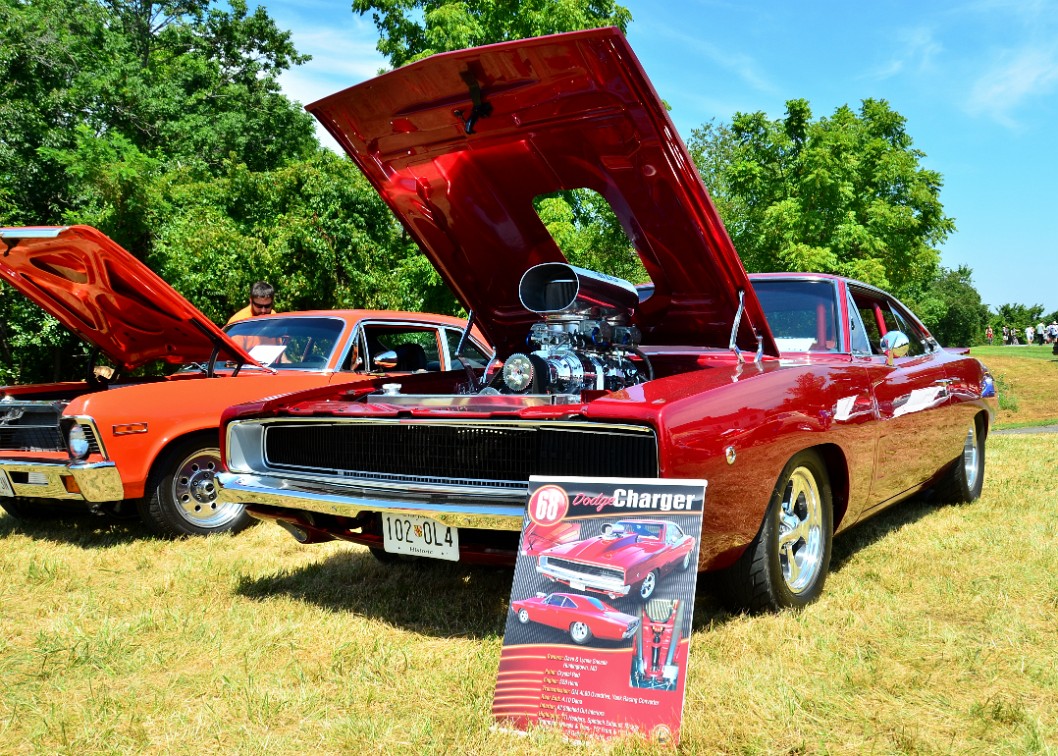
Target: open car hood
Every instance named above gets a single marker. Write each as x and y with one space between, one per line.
461 143
108 297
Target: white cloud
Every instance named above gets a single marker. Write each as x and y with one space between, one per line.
917 50
1012 79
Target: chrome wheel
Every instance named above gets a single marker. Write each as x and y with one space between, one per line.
646 588
523 616
194 490
579 632
801 540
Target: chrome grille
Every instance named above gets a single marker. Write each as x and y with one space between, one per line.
30 426
585 569
482 453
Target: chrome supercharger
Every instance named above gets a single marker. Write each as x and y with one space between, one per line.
584 341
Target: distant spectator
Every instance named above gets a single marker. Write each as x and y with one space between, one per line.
1040 332
989 335
1006 336
1030 332
261 298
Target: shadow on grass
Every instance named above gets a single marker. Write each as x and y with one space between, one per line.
444 599
82 529
448 599
880 526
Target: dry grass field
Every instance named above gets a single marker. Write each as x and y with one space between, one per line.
936 634
1028 380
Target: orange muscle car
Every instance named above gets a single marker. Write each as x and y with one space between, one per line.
120 444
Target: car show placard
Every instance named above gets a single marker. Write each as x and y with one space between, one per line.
597 639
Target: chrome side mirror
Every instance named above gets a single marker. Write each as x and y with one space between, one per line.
386 360
894 344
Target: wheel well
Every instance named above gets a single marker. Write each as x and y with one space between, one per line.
838 470
203 435
982 423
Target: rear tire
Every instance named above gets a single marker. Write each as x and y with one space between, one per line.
181 495
786 564
580 633
965 478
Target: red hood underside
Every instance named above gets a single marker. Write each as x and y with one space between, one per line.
461 143
106 296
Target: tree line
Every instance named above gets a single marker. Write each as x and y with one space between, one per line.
163 125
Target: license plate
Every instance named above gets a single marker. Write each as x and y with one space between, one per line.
5 485
419 536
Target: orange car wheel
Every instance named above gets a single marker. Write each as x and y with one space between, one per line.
181 495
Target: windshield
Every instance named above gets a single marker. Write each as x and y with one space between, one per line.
802 314
288 343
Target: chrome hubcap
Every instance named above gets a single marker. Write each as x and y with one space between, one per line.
971 462
801 531
195 491
579 631
648 585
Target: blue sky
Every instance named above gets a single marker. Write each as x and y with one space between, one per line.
977 82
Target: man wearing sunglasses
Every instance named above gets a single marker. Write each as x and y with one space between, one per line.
261 295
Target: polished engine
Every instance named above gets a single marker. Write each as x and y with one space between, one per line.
583 343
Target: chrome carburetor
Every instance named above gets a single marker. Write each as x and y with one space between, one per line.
584 340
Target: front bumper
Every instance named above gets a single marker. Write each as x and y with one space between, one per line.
612 586
466 510
94 482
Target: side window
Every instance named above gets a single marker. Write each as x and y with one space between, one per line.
870 310
416 348
471 352
881 315
861 340
904 322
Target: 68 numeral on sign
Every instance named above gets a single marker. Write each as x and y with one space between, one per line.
548 505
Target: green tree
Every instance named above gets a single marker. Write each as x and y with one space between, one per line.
176 81
844 194
1017 316
315 228
410 30
101 100
952 309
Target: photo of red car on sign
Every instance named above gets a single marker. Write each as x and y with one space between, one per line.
629 555
583 617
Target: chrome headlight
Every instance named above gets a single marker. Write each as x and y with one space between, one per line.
77 442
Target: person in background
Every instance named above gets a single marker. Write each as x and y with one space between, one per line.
1030 331
989 335
261 296
1040 332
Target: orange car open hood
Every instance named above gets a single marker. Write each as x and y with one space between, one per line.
461 143
108 297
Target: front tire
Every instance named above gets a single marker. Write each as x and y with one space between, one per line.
181 495
965 478
786 565
649 585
